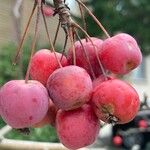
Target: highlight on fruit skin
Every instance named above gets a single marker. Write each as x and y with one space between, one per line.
120 54
77 128
69 87
23 104
44 63
115 101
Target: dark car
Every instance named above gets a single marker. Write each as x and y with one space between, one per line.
135 133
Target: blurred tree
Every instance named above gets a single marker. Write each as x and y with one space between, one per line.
130 16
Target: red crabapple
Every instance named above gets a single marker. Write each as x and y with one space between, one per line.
44 64
23 104
48 11
81 59
69 87
49 117
77 128
115 101
120 54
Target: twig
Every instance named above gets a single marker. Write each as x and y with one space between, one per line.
33 43
72 45
56 34
83 18
24 35
86 55
64 48
95 19
95 48
49 38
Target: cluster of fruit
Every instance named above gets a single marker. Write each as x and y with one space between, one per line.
74 98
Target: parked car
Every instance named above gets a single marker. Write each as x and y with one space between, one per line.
135 133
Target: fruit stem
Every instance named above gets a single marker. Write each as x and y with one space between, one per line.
33 43
64 48
94 18
56 34
72 45
95 48
49 38
83 18
24 35
45 23
68 24
86 55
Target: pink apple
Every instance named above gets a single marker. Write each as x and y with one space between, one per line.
77 128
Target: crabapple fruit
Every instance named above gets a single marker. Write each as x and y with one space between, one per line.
48 11
77 128
49 117
69 87
120 54
115 101
44 63
81 59
23 104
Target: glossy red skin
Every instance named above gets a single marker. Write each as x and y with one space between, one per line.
77 128
44 64
120 54
81 60
70 87
23 104
48 11
49 118
117 98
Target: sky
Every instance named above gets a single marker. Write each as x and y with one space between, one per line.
72 4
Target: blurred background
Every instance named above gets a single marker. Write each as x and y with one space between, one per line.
130 16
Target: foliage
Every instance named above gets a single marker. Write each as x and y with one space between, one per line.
45 134
7 70
130 16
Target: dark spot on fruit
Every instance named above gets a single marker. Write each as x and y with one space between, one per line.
77 104
30 118
108 108
130 65
34 100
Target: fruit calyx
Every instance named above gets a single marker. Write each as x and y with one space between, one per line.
25 131
108 110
